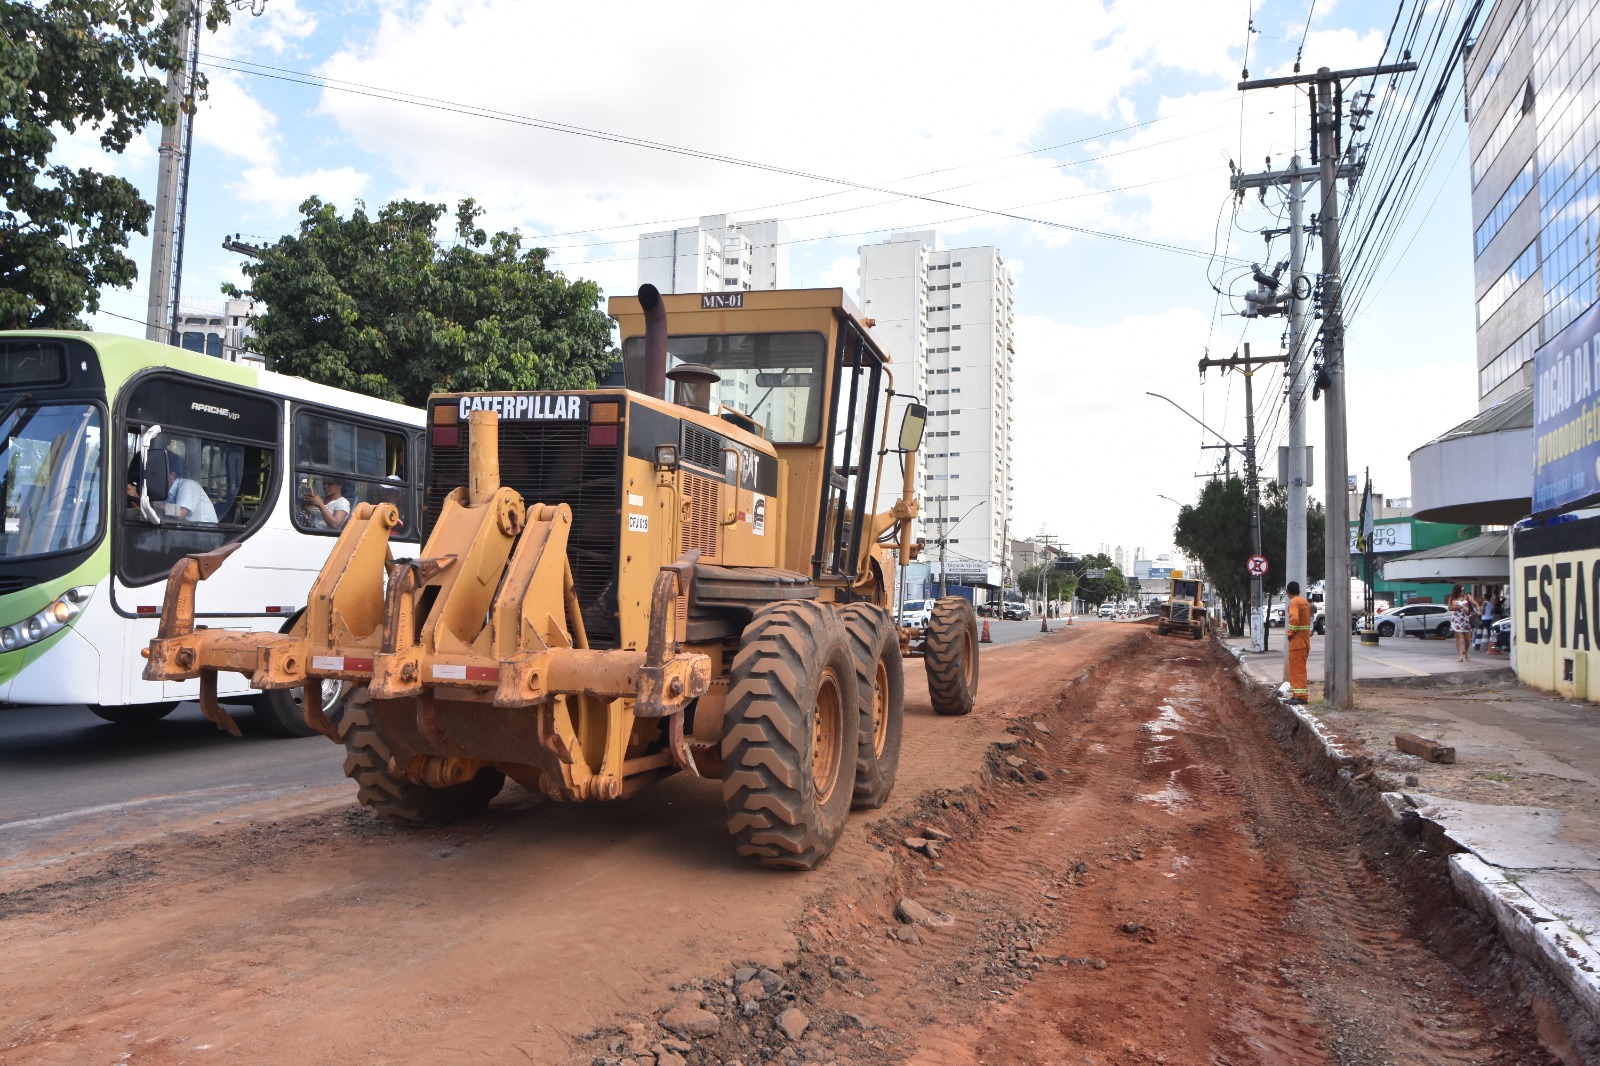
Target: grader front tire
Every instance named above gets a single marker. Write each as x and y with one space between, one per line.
950 655
880 681
392 798
789 736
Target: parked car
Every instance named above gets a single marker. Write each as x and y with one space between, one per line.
1276 615
1414 619
1319 621
1015 610
1502 635
915 612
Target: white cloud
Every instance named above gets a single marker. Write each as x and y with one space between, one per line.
281 193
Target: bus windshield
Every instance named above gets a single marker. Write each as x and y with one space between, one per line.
50 478
775 378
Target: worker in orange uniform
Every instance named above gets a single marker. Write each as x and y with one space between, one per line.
1299 626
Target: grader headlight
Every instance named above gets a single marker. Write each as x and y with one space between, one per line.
666 456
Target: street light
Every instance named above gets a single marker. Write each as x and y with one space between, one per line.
1169 499
944 537
1197 422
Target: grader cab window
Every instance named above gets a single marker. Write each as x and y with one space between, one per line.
848 499
773 378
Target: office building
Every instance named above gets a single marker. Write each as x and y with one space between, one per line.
720 254
945 316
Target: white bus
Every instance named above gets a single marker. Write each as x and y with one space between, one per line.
261 459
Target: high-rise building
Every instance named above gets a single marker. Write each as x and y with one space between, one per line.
1533 133
945 316
718 255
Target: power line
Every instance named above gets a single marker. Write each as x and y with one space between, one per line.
475 111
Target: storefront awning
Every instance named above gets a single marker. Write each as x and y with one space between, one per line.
1484 559
1480 472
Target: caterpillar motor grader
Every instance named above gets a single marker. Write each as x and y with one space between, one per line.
615 587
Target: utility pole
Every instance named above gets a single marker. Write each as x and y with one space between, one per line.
1326 129
169 172
1248 365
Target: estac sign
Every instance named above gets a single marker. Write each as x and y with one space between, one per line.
1566 415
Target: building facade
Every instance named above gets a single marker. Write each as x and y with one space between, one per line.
720 254
1534 131
945 316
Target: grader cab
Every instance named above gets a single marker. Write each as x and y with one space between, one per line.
616 587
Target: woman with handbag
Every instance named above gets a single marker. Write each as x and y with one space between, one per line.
1462 607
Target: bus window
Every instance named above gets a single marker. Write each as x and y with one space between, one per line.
339 463
221 451
50 478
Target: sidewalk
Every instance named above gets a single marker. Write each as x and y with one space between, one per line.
1522 799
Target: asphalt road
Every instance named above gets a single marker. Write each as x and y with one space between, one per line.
62 767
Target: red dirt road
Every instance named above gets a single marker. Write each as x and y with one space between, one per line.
332 938
1147 878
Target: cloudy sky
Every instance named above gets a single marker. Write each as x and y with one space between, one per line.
1090 119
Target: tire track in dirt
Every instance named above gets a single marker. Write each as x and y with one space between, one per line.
1149 878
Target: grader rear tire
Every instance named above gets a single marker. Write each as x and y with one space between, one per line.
880 680
789 736
394 799
950 655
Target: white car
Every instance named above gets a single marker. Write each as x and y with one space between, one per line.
1276 615
1108 610
915 612
1414 619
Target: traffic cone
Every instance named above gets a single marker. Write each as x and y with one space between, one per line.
986 638
1069 618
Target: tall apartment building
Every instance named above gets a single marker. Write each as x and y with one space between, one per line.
1533 132
945 316
718 255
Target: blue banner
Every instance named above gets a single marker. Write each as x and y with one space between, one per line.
1566 415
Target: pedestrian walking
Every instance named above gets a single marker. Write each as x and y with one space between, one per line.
1487 624
1298 623
1462 607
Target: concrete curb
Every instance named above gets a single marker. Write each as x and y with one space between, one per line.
1527 926
1530 928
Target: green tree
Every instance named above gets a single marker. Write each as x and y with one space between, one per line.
1216 531
1275 537
65 65
378 305
1057 583
1097 590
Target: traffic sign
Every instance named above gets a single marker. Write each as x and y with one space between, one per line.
1257 565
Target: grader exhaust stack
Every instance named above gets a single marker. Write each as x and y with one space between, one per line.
695 590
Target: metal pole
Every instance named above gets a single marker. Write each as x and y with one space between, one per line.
1258 620
1336 651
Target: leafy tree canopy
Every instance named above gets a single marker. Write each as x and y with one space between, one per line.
1275 537
1216 531
378 305
67 65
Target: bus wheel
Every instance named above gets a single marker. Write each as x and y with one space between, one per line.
281 711
135 713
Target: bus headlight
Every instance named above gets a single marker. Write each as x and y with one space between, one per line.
55 617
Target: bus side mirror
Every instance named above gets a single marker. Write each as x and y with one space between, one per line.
912 424
155 475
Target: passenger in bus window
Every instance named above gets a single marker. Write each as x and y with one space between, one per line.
329 510
186 500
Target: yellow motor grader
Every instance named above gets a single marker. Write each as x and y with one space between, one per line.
616 587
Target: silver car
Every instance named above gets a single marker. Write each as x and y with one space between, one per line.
1414 619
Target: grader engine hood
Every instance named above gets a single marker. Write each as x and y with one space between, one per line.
645 480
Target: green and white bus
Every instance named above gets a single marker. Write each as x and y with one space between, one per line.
265 460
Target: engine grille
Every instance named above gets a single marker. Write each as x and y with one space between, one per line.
1179 612
551 462
704 522
700 447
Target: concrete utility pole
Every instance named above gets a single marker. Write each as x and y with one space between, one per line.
158 309
1248 365
1326 124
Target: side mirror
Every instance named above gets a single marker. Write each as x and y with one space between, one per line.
912 424
155 475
